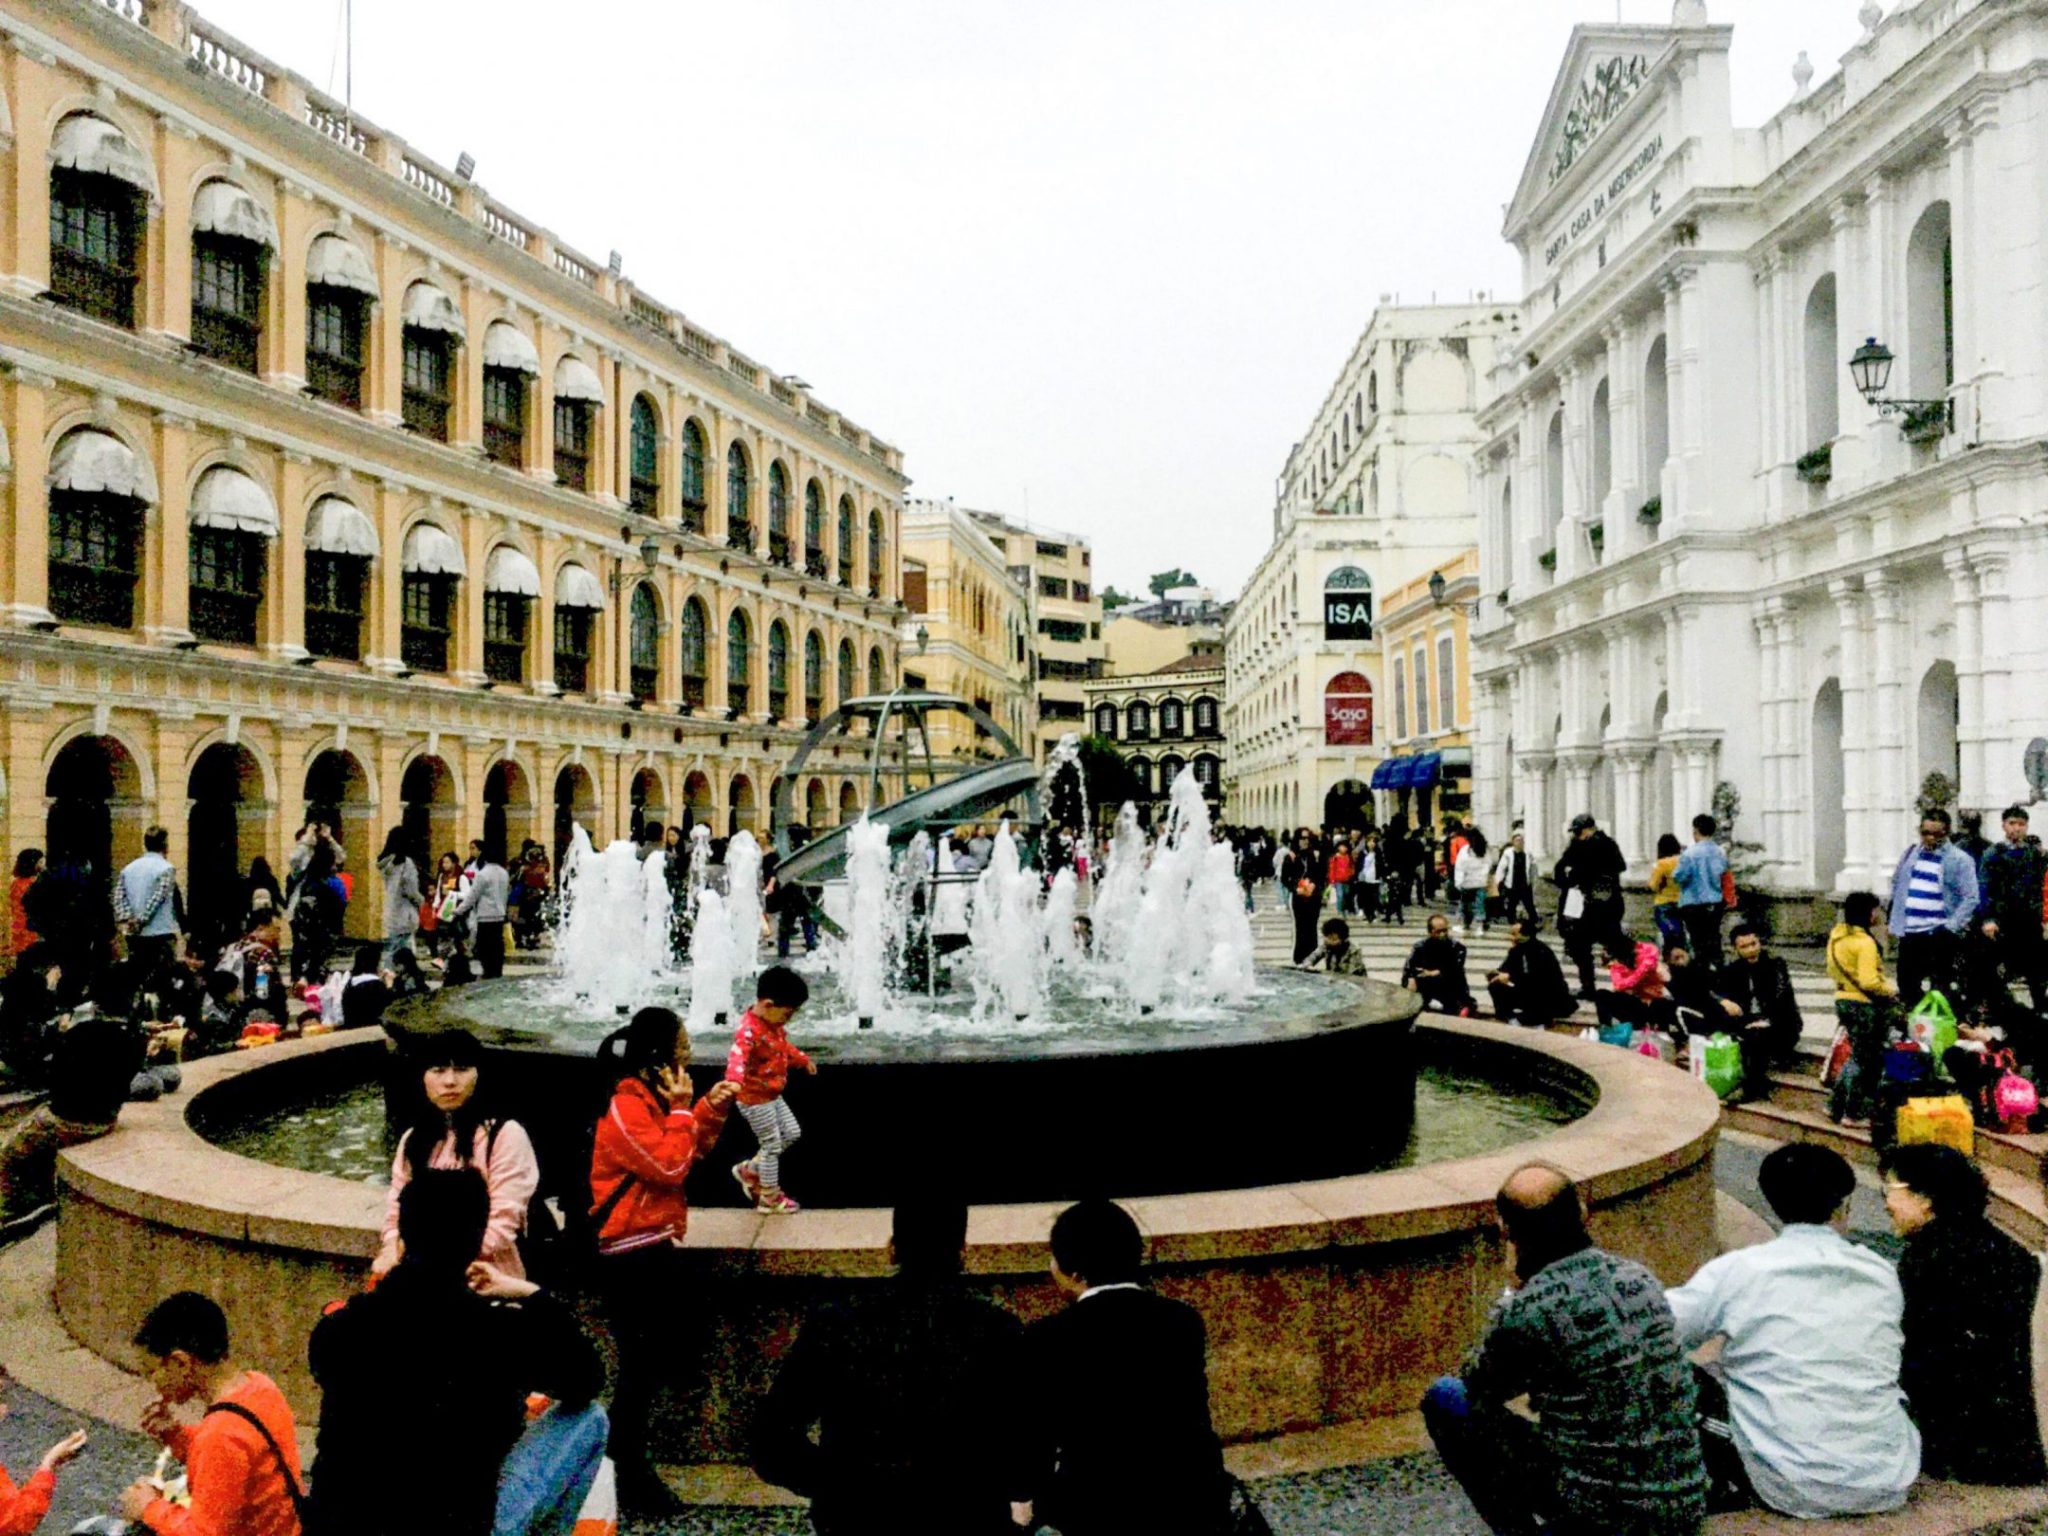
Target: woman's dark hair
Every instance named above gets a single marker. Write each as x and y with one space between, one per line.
1476 841
1097 1241
405 962
1942 1176
25 862
367 959
645 1046
446 859
1667 846
442 1048
1860 908
396 844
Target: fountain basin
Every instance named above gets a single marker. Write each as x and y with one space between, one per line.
1325 1299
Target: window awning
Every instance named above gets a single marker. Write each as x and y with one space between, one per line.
337 527
1424 770
505 346
92 462
508 570
87 143
1383 774
575 381
222 208
432 310
431 551
227 499
576 587
337 263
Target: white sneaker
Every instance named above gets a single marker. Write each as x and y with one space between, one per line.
1459 929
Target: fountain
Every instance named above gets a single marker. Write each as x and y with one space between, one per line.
1337 1235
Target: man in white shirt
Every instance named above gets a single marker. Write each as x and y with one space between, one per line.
1812 1342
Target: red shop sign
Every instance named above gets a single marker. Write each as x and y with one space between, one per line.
1347 710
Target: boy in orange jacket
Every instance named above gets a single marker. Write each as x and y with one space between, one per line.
759 1065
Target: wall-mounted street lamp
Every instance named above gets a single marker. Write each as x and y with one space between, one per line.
1870 365
1438 590
924 638
650 562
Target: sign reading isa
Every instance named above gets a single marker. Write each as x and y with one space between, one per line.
1347 615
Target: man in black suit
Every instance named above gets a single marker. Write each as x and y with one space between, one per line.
1120 1394
1529 988
914 1393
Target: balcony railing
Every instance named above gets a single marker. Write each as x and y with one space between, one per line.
228 618
643 681
814 563
426 414
778 548
334 380
572 673
504 661
737 697
504 444
337 635
85 594
423 650
226 338
740 536
693 691
92 288
643 496
778 703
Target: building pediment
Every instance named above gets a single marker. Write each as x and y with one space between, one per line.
1607 76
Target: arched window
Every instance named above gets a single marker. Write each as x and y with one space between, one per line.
645 677
878 672
739 498
693 476
511 583
1172 718
1656 415
232 523
99 490
849 672
846 541
1138 720
780 543
1105 721
814 676
739 661
644 495
505 417
100 183
695 661
232 238
1141 776
1208 774
1603 448
814 530
578 394
1169 770
1347 604
1930 307
1372 394
1823 357
432 568
340 544
877 550
1205 717
778 670
578 601
1553 473
339 290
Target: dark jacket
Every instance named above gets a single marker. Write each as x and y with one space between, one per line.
1119 1397
1445 956
915 1393
92 1064
1593 865
1540 989
28 1024
1764 991
2009 883
423 1392
1695 986
1968 1366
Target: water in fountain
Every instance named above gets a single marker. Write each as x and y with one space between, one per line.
612 934
743 901
1008 943
1115 907
863 959
1190 941
712 962
1057 921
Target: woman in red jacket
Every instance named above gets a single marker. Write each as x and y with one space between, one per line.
646 1142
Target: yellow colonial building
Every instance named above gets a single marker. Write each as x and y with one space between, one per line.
330 484
1426 668
968 629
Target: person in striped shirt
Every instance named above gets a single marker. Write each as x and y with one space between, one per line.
1934 896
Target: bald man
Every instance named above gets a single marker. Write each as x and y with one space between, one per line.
1589 1339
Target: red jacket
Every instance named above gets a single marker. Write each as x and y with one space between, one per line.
1645 980
760 1060
1340 869
238 1487
656 1145
22 1509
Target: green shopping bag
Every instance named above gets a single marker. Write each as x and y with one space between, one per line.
1717 1062
1932 1026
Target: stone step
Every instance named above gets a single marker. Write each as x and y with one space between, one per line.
2026 1155
2018 1203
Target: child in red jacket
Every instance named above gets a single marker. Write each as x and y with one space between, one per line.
22 1509
646 1141
759 1064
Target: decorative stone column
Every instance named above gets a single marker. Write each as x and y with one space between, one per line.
1892 781
25 572
1851 615
2004 736
1975 789
1631 815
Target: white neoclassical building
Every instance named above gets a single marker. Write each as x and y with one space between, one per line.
1705 555
1376 495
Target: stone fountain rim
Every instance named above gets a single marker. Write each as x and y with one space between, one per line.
1648 1124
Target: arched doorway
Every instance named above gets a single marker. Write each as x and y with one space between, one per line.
649 801
93 787
696 801
1348 805
508 808
338 793
1830 817
227 812
740 806
849 803
427 796
575 801
1939 715
815 807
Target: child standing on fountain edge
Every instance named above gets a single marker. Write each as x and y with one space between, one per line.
759 1064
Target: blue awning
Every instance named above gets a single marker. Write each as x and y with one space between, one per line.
1424 769
1383 774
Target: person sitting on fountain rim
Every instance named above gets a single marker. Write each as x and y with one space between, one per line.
1436 970
759 1064
1337 955
1590 1341
1529 988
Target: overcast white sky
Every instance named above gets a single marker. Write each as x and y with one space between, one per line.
1095 262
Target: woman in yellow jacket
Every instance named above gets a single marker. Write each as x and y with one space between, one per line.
1864 1000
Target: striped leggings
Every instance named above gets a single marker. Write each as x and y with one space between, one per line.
776 1129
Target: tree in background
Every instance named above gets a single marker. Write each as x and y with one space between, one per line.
1109 776
1164 582
1111 598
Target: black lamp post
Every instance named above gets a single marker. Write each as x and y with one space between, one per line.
1870 366
1436 587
